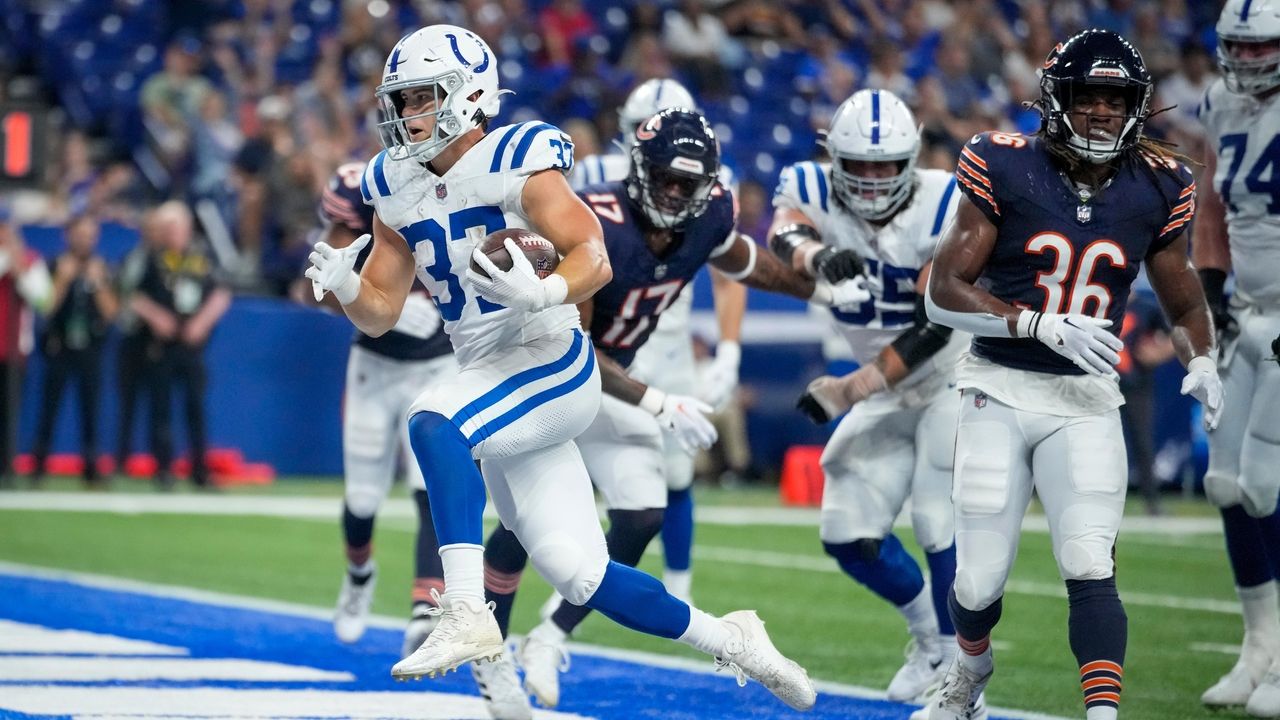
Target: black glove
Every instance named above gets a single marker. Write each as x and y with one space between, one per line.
1224 322
812 410
836 265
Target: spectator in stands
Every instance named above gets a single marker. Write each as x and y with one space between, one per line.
24 287
645 59
564 23
886 71
216 140
134 367
172 97
1159 51
1183 90
755 21
700 47
81 310
181 299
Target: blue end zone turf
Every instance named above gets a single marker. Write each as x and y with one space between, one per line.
595 687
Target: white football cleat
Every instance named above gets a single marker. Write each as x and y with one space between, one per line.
960 697
421 623
352 614
923 670
1234 688
1264 702
979 710
466 631
543 657
750 653
500 687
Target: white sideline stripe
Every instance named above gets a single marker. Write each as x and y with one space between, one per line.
52 668
190 703
788 561
402 508
383 621
16 637
1220 648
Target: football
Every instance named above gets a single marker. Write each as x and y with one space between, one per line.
541 253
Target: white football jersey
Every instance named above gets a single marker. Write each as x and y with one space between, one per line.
893 256
443 218
1246 136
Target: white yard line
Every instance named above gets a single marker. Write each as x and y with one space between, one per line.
1217 648
276 606
330 508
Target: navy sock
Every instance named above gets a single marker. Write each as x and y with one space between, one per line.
1098 631
883 566
1246 548
1269 531
942 573
677 529
973 625
356 531
630 532
504 562
639 601
454 483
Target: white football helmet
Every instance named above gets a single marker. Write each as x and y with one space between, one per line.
1244 23
462 72
648 99
873 126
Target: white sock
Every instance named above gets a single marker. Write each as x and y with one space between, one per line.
979 664
706 633
678 582
1261 625
922 620
1101 713
361 570
549 632
949 649
463 571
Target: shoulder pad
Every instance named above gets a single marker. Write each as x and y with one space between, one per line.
530 147
803 185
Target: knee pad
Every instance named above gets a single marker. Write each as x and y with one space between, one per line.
1222 490
1087 534
983 563
567 566
363 501
1259 483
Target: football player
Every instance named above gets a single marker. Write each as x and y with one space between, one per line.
384 375
1049 235
661 225
870 205
1239 219
666 361
528 382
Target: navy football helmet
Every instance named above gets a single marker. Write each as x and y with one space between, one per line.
675 160
1090 60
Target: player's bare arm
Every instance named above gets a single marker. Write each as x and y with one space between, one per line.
1176 285
613 377
952 298
1209 247
385 282
731 305
794 238
557 214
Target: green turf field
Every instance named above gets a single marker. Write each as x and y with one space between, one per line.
1178 591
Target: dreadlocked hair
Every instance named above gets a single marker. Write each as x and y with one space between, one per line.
1161 154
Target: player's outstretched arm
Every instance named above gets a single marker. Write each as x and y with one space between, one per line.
374 301
744 263
794 239
1211 251
561 217
1180 294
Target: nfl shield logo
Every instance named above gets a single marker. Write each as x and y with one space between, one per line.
442 192
660 271
980 400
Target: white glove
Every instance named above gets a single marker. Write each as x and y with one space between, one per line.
718 378
830 397
848 292
1081 339
519 287
333 270
419 318
1202 383
683 417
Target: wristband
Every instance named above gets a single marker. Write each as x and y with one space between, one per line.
348 289
554 289
652 401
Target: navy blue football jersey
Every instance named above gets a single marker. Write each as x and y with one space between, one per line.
1058 254
342 204
626 310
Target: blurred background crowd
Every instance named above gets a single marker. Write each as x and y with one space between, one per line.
239 111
